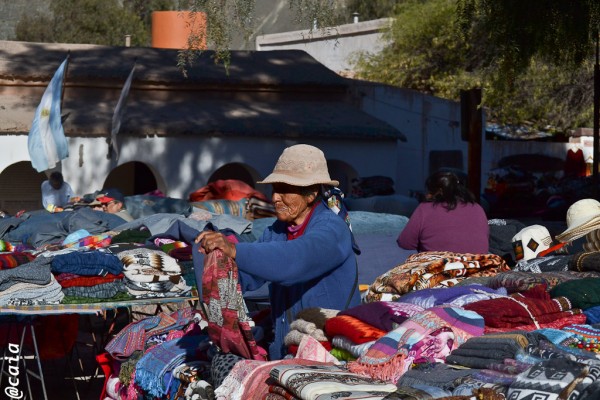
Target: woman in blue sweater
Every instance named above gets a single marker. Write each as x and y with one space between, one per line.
306 255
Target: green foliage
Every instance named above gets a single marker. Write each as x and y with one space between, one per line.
373 9
103 22
558 31
430 52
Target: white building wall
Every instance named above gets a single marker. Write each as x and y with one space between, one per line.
335 48
183 165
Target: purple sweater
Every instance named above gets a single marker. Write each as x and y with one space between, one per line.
434 228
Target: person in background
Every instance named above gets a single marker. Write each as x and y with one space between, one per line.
113 202
448 220
56 193
306 255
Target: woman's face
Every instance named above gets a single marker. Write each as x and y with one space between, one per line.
290 204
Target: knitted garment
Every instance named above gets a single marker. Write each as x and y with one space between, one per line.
87 263
519 281
550 379
68 280
433 269
583 293
353 328
229 325
147 265
384 315
14 259
91 242
585 261
428 336
534 306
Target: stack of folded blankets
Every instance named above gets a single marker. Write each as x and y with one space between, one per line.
152 273
28 283
89 276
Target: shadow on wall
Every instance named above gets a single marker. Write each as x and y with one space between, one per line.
20 188
131 178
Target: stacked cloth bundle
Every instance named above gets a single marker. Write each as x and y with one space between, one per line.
152 273
309 322
31 283
88 276
147 352
433 269
428 336
354 330
528 310
520 281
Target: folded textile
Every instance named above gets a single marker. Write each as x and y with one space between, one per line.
35 272
87 263
14 259
24 294
429 336
544 264
309 382
585 261
436 374
432 269
68 280
356 350
583 293
353 328
456 295
101 291
550 379
519 281
384 315
157 361
147 265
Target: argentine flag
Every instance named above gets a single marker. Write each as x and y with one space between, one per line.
46 142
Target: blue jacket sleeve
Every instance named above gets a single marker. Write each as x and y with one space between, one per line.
324 246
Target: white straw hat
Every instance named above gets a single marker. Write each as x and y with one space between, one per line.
582 217
301 165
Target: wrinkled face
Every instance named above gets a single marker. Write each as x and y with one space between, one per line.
291 203
113 206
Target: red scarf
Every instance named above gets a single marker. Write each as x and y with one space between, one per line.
294 232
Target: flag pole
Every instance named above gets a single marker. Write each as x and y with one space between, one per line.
62 92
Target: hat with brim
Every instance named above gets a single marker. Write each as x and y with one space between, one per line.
301 165
583 217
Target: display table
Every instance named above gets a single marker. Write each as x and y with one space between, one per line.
16 364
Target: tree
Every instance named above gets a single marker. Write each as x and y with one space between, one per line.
429 52
559 31
103 22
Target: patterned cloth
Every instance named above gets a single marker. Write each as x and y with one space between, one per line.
534 306
544 264
155 363
433 269
520 281
548 380
429 336
229 325
14 259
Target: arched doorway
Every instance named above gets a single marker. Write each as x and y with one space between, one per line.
343 172
133 178
20 188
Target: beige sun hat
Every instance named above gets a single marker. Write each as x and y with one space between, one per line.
301 165
583 217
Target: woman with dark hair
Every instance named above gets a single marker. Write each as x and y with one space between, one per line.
448 220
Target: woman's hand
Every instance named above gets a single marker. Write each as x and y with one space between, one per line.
210 241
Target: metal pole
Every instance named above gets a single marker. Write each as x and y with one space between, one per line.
596 116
